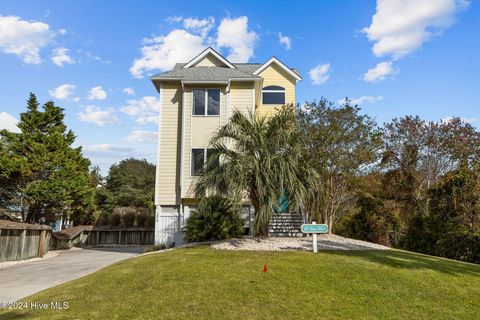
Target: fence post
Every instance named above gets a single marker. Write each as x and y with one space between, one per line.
23 236
119 237
97 238
41 240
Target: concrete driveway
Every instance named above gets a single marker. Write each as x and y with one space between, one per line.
22 280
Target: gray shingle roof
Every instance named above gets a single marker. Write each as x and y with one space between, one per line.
204 74
199 73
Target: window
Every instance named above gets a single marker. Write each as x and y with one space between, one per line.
211 154
197 161
273 95
208 97
199 158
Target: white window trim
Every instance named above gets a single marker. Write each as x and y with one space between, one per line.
206 103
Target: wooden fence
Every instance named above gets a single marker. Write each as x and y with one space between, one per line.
80 236
130 236
19 241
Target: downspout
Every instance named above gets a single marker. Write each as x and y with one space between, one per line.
182 151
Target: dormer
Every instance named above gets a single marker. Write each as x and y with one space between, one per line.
209 58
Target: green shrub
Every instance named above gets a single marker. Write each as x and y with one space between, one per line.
376 220
150 221
216 218
460 245
115 219
155 247
142 219
129 219
102 220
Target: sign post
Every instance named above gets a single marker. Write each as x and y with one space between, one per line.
314 229
315 249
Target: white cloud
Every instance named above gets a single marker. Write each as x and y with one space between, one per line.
361 100
60 56
98 116
234 35
174 19
95 57
379 72
62 92
400 27
8 122
142 136
97 93
129 91
466 120
24 38
181 45
285 41
319 74
145 110
105 149
164 51
199 26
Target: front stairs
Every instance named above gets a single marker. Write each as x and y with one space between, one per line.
285 224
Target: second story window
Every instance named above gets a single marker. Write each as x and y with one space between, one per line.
206 102
200 156
273 95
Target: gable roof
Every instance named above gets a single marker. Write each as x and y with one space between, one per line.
292 73
203 54
204 74
190 72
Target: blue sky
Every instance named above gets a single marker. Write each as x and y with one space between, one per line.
94 57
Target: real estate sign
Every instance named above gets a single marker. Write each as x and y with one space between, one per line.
314 228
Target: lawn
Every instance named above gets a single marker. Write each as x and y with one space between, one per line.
202 283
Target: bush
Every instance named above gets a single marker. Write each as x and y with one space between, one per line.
102 220
150 221
145 219
216 218
129 219
155 247
115 219
460 245
376 221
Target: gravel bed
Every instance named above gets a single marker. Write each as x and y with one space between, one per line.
325 242
49 254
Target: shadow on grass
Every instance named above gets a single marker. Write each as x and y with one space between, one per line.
16 314
399 259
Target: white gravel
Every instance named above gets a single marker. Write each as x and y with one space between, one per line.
325 242
49 254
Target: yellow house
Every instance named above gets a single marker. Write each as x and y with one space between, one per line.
197 97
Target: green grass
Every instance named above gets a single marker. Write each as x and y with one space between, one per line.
202 283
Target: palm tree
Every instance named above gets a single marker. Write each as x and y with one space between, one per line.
259 159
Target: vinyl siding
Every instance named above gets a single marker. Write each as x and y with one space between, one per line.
210 61
276 76
241 97
198 132
168 163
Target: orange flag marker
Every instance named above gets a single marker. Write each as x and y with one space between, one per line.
265 267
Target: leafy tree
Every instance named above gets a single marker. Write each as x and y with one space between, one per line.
418 153
260 159
341 144
130 183
452 226
50 175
